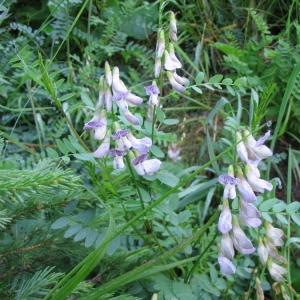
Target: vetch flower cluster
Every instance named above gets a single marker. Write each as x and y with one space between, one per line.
113 90
244 178
167 53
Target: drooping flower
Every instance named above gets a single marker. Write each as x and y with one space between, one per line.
257 149
240 241
177 86
174 57
161 44
117 154
276 271
98 124
225 219
141 145
241 148
226 248
157 67
274 234
230 182
262 251
143 166
249 214
108 74
121 139
181 80
170 64
104 147
226 266
257 184
153 91
244 187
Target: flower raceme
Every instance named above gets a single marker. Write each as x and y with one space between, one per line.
246 177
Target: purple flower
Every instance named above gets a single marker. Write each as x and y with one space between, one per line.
274 234
240 241
152 89
98 123
143 166
245 189
157 67
226 266
256 149
257 184
249 214
241 148
122 141
141 145
225 219
177 86
262 251
226 248
276 271
161 44
117 154
229 181
103 148
171 64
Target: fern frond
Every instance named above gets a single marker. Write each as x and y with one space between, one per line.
38 284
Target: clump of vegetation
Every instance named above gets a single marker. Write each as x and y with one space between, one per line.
149 150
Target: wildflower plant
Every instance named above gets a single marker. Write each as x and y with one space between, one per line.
145 223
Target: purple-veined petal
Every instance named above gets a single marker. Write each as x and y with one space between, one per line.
226 248
131 118
103 148
228 179
262 251
225 219
240 241
152 89
226 266
151 166
246 190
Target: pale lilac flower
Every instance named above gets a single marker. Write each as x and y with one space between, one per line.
249 214
240 241
257 184
276 271
173 56
117 154
98 124
177 86
142 165
274 234
226 266
108 74
226 248
273 252
108 98
256 149
120 90
244 188
117 84
131 118
170 64
152 91
229 181
173 36
141 145
174 152
103 148
161 44
173 24
225 219
181 80
121 139
262 251
157 67
241 148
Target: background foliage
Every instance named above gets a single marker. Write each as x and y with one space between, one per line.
71 229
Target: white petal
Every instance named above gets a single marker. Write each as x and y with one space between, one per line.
151 166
